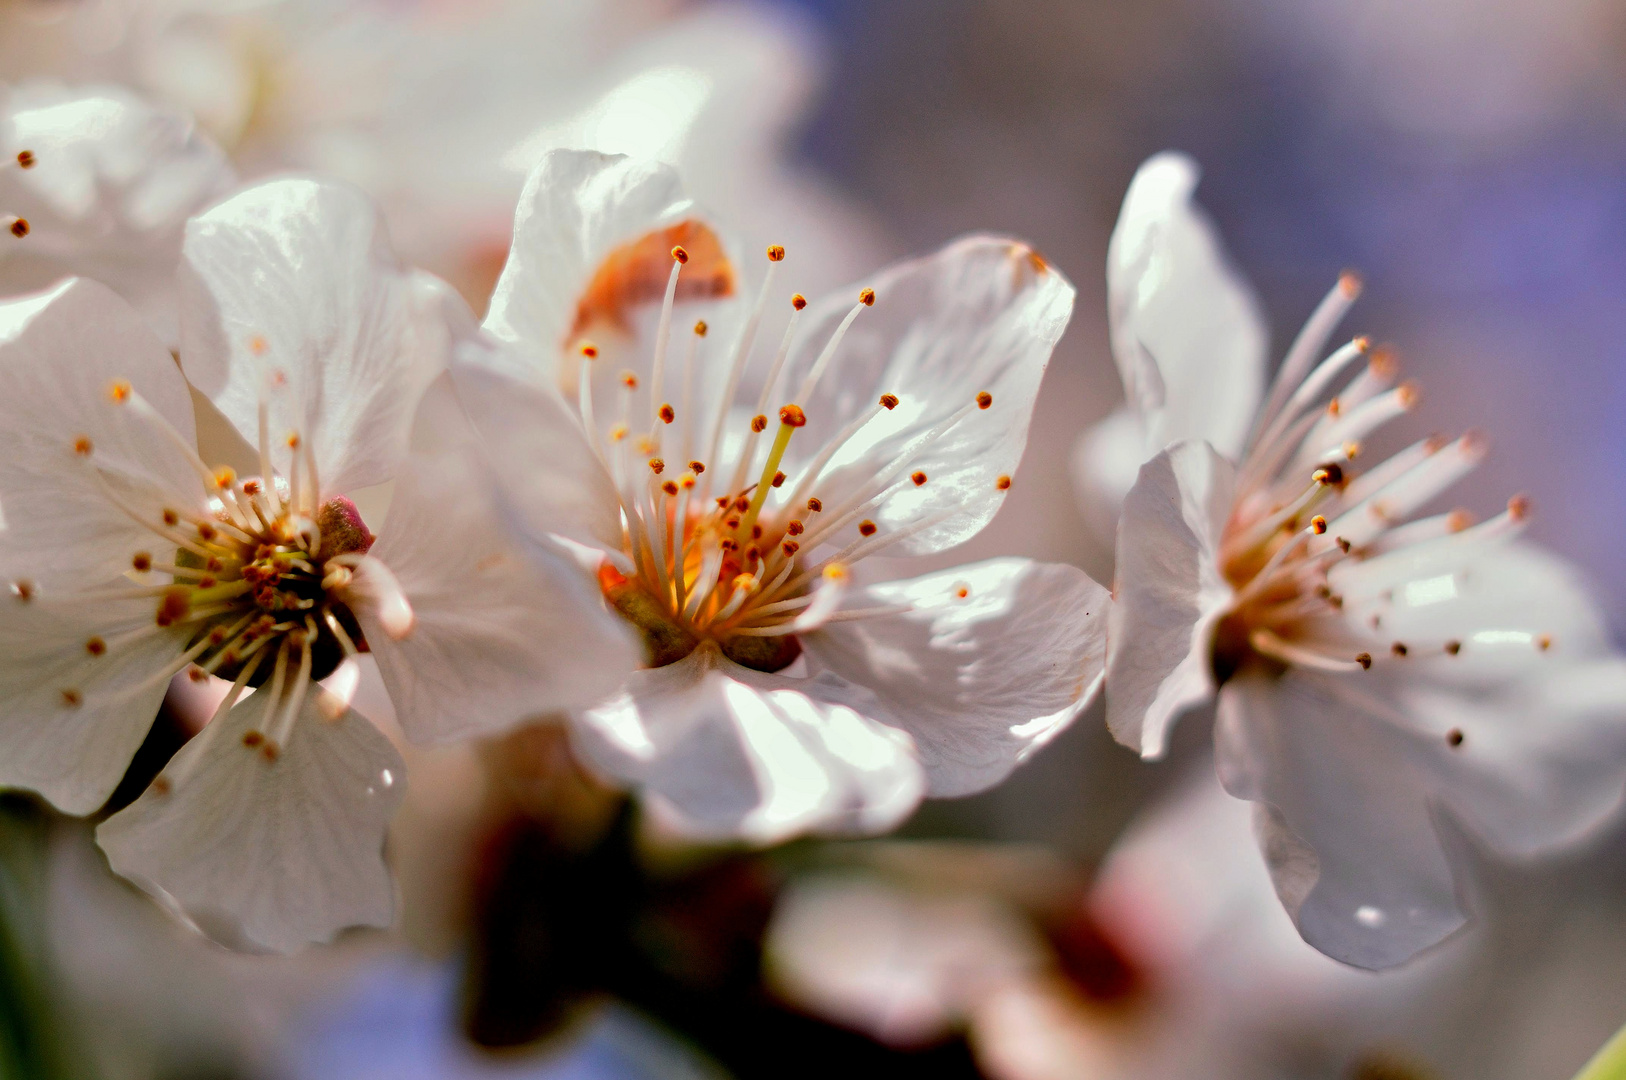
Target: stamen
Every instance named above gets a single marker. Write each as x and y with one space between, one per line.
866 298
663 334
1308 345
742 350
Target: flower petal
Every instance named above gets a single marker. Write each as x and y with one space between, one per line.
60 353
1186 329
980 680
72 718
268 854
723 751
578 208
291 293
981 316
113 182
1347 829
542 458
1106 461
503 631
1168 593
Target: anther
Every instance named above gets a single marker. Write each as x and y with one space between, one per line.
1329 475
95 646
1365 660
776 253
984 399
697 467
889 401
962 590
1318 524
141 561
794 527
251 739
160 785
293 440
72 698
225 476
814 505
629 380
798 301
1399 648
918 477
1453 647
742 503
792 416
19 227
1453 738
778 480
867 297
618 433
83 446
172 607
258 345
588 350
722 502
759 423
25 159
656 465
1003 483
790 547
670 487
1343 545
118 391
731 523
1349 283
196 674
22 590
1544 642
171 518
700 328
1408 394
206 530
251 487
756 532
1518 507
679 254
866 527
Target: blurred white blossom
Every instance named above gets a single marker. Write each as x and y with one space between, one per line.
102 183
1373 669
438 110
782 694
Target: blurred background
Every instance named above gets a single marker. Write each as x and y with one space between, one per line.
1095 916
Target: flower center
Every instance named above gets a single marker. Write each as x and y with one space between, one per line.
1302 513
720 549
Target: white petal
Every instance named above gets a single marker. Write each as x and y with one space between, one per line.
981 315
541 457
1347 831
503 631
1106 462
268 854
113 182
293 282
980 681
1186 329
723 751
578 207
1168 593
60 353
71 721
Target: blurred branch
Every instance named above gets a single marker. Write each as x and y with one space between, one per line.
1608 1063
32 1042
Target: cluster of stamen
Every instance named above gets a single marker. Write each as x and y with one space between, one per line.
251 579
16 225
1301 509
708 554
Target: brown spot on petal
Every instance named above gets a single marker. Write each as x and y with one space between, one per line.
636 273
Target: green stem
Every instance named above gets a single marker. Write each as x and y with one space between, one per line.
1608 1063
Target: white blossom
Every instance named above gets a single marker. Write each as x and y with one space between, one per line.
725 500
129 559
1375 669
